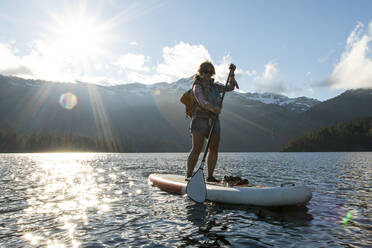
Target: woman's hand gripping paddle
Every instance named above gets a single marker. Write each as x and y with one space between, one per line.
196 189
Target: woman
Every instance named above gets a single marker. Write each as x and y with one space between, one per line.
207 95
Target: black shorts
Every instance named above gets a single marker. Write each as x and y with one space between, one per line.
204 125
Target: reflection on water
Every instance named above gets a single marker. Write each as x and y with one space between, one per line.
218 222
104 200
68 189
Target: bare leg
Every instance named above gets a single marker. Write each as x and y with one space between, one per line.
213 153
197 145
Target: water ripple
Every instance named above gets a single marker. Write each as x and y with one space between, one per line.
104 200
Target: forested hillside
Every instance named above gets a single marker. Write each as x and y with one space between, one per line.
150 118
351 136
13 141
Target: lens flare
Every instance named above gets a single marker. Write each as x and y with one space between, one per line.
68 100
156 92
347 218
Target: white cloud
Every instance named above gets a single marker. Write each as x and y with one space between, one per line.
182 60
134 76
270 80
179 61
270 72
11 64
322 60
222 69
355 67
42 61
45 61
133 62
133 43
251 73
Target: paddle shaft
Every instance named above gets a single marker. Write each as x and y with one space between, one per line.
214 122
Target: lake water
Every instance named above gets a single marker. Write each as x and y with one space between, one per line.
104 200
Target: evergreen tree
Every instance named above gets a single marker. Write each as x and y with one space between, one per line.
351 136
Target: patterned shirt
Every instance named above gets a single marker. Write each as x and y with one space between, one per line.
207 94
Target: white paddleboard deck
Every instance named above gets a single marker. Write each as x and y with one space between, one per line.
256 195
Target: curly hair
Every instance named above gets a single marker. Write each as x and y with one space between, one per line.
206 66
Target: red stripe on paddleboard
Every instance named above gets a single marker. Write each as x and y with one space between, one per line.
167 185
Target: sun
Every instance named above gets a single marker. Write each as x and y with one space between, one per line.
80 37
76 41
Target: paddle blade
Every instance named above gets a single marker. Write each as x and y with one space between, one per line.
196 189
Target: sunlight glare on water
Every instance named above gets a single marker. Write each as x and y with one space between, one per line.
104 200
68 190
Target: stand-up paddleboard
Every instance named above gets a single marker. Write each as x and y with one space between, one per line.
257 195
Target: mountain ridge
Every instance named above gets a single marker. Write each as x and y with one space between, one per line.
148 115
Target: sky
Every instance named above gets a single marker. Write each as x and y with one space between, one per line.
317 48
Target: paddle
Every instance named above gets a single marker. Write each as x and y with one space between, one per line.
196 189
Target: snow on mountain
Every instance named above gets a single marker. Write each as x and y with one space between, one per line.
299 104
183 84
269 98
